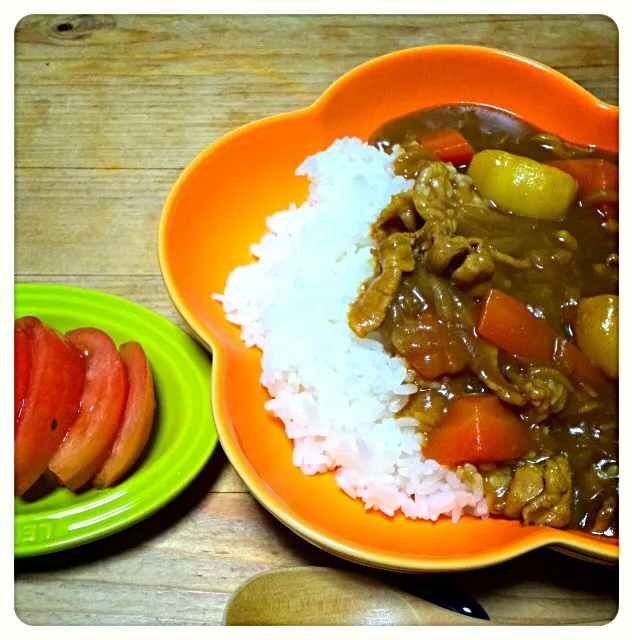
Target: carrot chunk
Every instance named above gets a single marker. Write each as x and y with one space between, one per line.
476 428
591 174
448 145
509 325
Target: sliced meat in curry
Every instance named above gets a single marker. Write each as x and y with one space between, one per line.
518 302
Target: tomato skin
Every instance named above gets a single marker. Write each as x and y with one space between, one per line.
137 420
90 437
51 402
22 362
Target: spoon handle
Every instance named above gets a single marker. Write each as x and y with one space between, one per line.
450 598
324 596
430 614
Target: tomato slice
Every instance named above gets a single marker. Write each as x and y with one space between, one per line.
90 437
51 402
22 362
137 420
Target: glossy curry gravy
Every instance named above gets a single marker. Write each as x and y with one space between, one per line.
568 259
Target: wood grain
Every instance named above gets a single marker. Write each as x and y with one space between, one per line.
108 111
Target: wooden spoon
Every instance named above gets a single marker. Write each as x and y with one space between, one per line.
324 596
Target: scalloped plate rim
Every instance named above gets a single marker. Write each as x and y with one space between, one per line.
119 498
561 541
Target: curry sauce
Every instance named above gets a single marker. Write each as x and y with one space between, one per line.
442 247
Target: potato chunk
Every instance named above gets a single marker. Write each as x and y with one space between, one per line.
521 185
597 331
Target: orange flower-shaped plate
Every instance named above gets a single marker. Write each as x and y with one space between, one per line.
217 209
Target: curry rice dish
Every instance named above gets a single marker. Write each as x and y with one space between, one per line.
439 320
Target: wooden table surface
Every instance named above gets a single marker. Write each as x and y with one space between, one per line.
108 111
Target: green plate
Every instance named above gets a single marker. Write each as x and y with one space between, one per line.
183 435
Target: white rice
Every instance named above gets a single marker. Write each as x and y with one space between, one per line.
337 394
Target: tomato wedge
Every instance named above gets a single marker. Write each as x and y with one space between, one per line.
90 437
51 403
21 369
137 420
